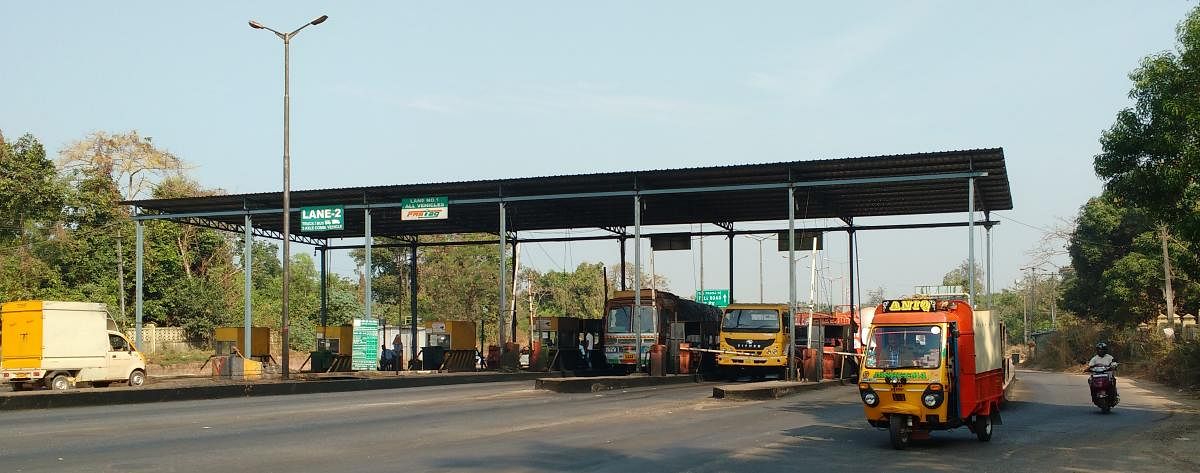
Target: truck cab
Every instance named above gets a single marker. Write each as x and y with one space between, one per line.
754 340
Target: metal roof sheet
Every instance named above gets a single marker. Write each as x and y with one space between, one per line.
606 200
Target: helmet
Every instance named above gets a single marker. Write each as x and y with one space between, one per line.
1101 349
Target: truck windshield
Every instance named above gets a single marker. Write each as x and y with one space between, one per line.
905 347
620 322
750 320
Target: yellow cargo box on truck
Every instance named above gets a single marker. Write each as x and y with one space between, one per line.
58 344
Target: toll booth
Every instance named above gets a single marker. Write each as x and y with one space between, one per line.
449 345
556 343
832 332
225 339
229 361
338 339
388 334
335 349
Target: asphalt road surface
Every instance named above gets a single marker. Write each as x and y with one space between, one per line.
1049 426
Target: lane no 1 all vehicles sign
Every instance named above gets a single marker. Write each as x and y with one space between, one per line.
322 219
425 208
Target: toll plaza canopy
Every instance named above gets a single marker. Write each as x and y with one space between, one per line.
907 184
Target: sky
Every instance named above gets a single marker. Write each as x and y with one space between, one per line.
402 92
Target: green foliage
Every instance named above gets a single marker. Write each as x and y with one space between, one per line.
30 191
1151 154
456 282
1116 261
579 293
961 276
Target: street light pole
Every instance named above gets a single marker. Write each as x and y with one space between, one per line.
284 327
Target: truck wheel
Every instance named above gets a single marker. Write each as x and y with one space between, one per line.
899 432
137 378
60 382
983 428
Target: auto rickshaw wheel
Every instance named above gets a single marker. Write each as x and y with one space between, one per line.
899 430
983 428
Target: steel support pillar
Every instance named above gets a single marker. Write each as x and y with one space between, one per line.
731 266
139 277
324 286
987 269
971 240
503 305
791 319
854 329
637 276
368 269
248 280
622 285
412 300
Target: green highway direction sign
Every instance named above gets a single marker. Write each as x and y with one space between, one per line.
322 219
717 297
425 208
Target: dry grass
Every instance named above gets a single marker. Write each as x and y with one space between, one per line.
1141 353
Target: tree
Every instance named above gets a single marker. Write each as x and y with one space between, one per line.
1150 157
960 276
578 293
30 192
131 160
875 296
1115 274
658 282
457 282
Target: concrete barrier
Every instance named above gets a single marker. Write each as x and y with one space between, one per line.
606 383
149 393
768 389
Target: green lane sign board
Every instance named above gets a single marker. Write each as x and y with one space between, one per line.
425 208
365 341
322 219
717 297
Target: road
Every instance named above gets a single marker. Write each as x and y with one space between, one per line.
1049 426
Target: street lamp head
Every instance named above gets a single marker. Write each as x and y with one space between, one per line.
319 20
256 25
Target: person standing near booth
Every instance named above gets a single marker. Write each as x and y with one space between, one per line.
398 347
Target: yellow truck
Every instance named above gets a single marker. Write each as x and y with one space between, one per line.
754 340
59 344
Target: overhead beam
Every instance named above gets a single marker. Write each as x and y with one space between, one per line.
910 226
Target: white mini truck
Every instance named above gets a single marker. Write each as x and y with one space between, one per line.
59 344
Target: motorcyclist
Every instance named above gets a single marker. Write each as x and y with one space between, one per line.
1105 360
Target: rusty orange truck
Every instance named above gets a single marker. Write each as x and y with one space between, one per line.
932 365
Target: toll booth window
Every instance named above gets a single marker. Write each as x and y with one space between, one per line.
117 343
747 320
905 347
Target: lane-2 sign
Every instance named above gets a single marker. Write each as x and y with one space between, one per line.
322 219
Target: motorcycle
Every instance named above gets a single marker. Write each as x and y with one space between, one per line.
1103 384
